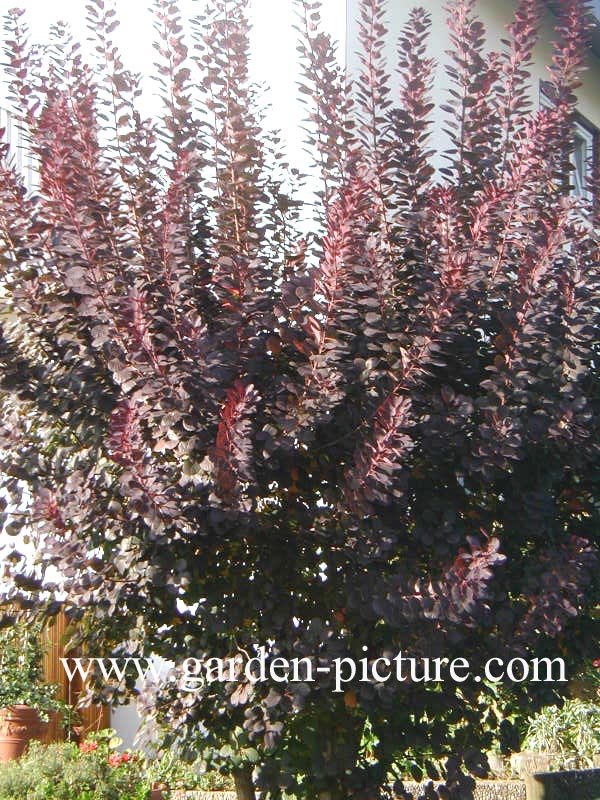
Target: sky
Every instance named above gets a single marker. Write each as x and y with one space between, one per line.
273 43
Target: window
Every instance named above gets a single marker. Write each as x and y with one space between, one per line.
582 158
586 149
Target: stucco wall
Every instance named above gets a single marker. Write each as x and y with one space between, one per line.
20 153
126 722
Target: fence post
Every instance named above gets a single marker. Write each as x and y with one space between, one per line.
536 788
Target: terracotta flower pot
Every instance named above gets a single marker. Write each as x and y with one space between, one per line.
19 724
157 793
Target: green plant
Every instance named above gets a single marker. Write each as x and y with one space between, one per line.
572 731
21 671
170 770
585 685
96 770
214 782
92 771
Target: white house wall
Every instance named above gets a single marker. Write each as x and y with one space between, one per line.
19 151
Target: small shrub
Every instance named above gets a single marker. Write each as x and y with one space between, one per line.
96 770
171 771
92 771
215 782
572 731
21 666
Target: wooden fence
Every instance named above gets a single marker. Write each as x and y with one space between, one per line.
93 718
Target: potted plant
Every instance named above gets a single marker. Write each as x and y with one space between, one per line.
163 774
26 701
170 776
562 738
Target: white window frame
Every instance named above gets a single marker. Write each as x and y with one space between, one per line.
581 172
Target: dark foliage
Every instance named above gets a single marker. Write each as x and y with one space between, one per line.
226 433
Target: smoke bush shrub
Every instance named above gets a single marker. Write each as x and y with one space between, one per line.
226 431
